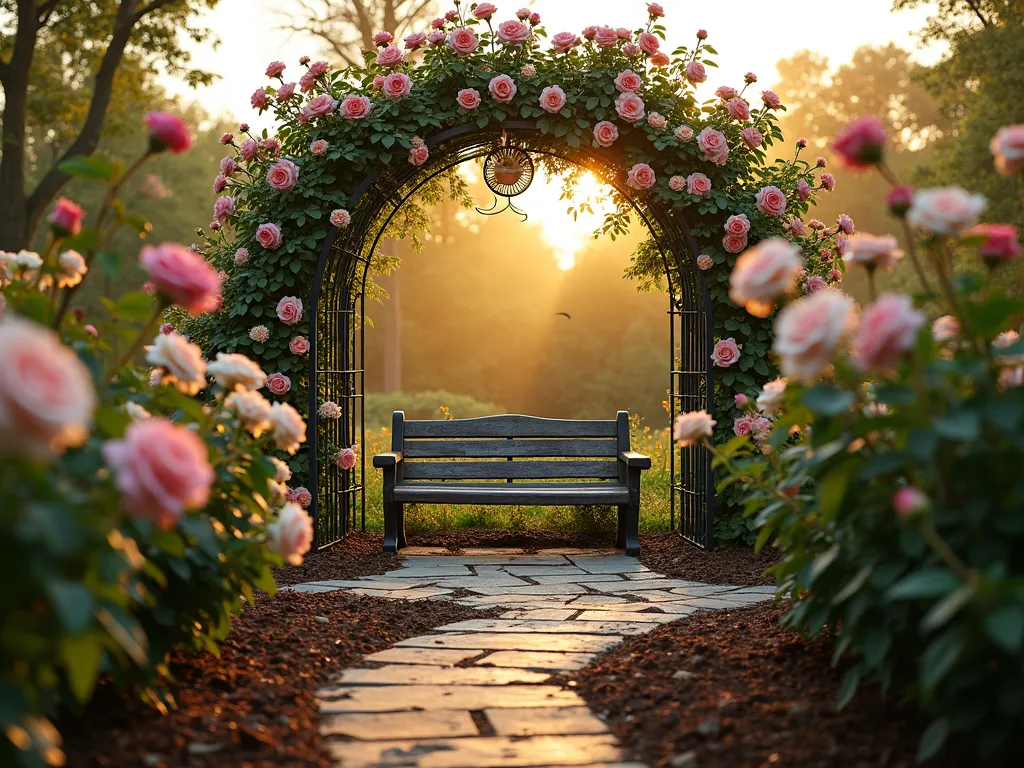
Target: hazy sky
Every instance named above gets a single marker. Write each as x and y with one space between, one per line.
750 35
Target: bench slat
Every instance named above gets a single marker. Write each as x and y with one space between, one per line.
480 449
501 470
510 425
503 494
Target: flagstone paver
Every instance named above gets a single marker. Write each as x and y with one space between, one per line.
476 693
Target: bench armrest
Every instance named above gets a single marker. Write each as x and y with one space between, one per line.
387 459
634 459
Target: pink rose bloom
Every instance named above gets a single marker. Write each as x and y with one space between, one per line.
282 175
648 42
564 41
628 81
523 14
535 18
166 329
695 72
378 81
463 41
227 138
630 107
340 218
771 99
228 166
770 201
382 38
622 33
318 68
484 11
223 208
698 184
726 352
397 85
242 257
167 131
345 459
815 283
356 107
945 328
285 93
726 92
269 236
751 137
1007 148
655 10
469 99
528 70
738 109
842 243
181 276
734 243
677 183
656 121
278 384
249 149
835 276
740 399
737 224
763 274
319 106
945 210
743 425
439 23
809 331
803 190
796 226
590 32
605 37
845 224
298 345
690 428
750 78
302 497
289 310
259 99
47 397
861 144
900 199
389 57
415 41
503 89
641 176
887 330
307 81
713 143
275 68
418 155
999 244
605 133
160 469
291 535
552 99
909 501
684 133
318 147
273 146
705 262
702 34
149 288
828 182
660 59
66 218
436 37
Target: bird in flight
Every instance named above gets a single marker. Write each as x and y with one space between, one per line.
564 314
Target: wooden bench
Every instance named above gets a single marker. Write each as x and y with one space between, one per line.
582 463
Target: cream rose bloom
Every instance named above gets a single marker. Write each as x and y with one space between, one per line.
288 427
136 412
691 427
291 535
809 331
181 361
771 397
763 274
945 210
251 408
283 473
46 393
233 371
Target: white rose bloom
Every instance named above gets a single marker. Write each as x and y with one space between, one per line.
771 397
291 535
252 409
691 427
288 427
72 267
181 361
945 210
234 371
284 472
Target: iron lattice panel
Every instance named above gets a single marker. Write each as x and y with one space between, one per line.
336 336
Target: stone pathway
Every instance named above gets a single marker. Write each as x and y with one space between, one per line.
475 693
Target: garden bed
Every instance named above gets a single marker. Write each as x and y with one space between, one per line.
736 690
256 704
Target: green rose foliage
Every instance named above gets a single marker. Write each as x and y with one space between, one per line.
587 75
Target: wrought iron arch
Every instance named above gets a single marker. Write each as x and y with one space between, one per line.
337 299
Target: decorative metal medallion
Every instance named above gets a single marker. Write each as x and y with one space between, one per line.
508 172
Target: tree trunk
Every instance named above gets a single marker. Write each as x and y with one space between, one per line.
392 324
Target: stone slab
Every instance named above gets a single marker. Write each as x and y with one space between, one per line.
643 575
640 586
702 590
484 557
418 593
552 627
584 578
475 583
653 596
601 604
630 616
531 589
309 588
426 572
613 564
586 600
513 641
495 751
410 674
404 698
543 570
711 603
438 657
545 614
677 609
489 601
537 660
391 726
543 722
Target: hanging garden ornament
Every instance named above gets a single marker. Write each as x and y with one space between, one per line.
508 172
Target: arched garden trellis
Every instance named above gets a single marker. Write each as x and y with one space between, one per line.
336 356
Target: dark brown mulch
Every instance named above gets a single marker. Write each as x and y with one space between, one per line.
361 554
256 704
670 554
741 692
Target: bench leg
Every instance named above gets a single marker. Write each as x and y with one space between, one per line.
631 537
620 530
391 523
402 542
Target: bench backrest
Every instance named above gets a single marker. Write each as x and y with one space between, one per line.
510 447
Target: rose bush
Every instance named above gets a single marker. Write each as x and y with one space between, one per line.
138 507
887 471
